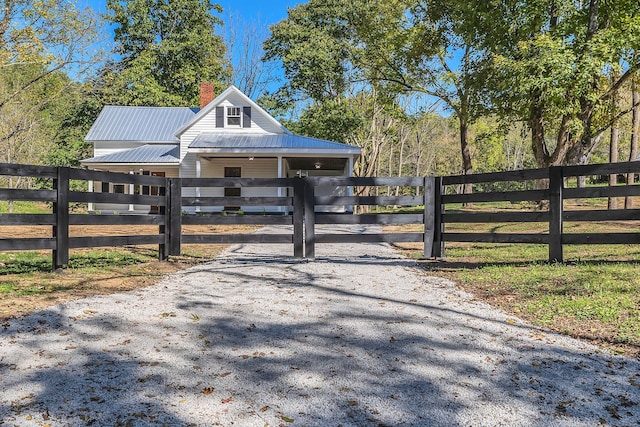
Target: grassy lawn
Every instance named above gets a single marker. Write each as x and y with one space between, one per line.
27 282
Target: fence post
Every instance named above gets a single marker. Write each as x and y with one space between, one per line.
556 185
438 225
173 218
61 212
298 218
429 215
163 229
309 218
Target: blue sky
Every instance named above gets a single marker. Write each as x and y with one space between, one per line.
251 12
267 11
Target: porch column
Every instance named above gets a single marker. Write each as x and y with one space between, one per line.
90 191
131 192
280 208
198 175
350 174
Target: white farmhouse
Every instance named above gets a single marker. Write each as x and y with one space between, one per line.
229 136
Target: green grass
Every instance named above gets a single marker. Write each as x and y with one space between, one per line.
21 207
94 260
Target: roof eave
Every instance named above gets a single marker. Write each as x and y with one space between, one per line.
308 151
135 141
105 164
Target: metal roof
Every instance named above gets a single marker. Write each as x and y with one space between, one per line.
155 153
234 142
140 124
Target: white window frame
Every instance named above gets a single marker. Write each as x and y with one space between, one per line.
232 112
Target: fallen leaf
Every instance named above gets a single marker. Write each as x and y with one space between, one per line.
286 419
208 390
264 409
227 400
225 374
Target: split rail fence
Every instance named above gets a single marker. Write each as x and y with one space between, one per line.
428 205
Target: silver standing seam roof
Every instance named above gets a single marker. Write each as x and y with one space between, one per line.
151 153
139 124
265 142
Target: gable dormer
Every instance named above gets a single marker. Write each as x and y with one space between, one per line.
232 110
229 116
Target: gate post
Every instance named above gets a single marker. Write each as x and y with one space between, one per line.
429 215
173 217
298 218
438 225
61 212
309 218
165 211
556 184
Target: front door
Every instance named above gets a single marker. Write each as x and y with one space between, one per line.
232 172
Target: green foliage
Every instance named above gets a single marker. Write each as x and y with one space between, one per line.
166 49
335 120
554 68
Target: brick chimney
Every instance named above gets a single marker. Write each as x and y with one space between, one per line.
206 94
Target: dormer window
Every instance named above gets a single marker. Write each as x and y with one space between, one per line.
234 116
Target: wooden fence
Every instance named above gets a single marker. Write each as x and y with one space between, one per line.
297 211
552 197
427 199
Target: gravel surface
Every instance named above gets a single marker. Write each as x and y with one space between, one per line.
358 337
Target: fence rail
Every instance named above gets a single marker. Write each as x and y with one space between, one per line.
553 200
302 203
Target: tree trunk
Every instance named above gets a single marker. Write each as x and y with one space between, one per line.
467 168
613 150
538 145
635 135
400 161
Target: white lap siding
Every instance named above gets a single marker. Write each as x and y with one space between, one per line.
214 168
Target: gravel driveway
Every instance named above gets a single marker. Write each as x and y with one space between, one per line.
358 337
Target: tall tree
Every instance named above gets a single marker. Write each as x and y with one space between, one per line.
47 36
402 47
166 48
551 62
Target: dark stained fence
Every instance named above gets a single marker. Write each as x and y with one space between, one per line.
422 194
547 206
303 203
60 197
260 210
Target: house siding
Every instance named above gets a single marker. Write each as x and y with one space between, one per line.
170 172
258 168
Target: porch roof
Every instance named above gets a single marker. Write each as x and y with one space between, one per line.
268 143
156 153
